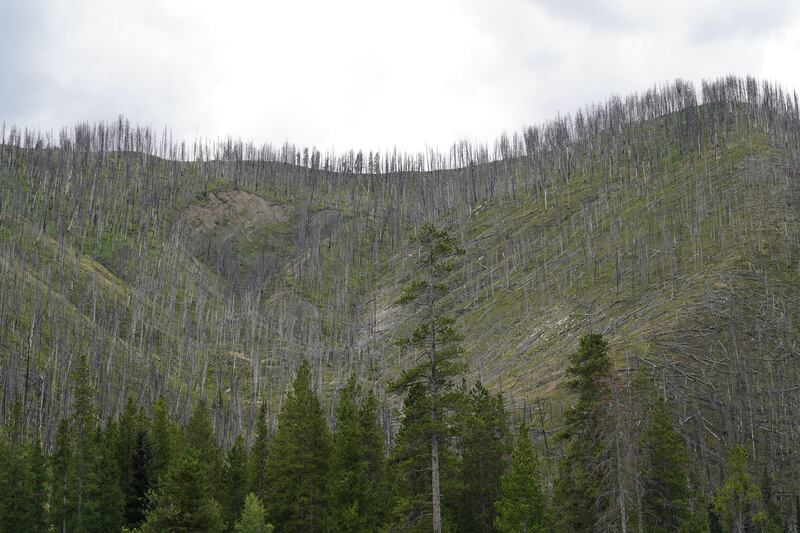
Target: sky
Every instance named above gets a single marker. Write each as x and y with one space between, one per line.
369 74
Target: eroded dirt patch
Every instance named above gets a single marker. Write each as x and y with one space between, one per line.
238 210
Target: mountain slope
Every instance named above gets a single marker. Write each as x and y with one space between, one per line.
210 271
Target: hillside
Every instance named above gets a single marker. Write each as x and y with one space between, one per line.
667 221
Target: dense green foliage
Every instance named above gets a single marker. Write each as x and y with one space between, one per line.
578 490
357 487
298 462
484 448
146 473
435 344
522 506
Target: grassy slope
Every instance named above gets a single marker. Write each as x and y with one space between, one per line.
632 258
636 256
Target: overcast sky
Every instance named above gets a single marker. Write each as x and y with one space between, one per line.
369 74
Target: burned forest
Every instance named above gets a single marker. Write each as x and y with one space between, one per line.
601 313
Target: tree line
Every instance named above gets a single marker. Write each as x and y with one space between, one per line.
143 472
454 465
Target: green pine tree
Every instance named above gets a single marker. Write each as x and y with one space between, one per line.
140 481
162 433
484 451
410 469
521 507
410 465
738 502
578 490
665 475
184 502
130 425
258 455
104 508
62 499
84 424
356 485
297 465
23 481
252 517
39 480
235 479
377 500
201 438
435 342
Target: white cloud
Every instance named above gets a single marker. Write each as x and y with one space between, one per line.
370 74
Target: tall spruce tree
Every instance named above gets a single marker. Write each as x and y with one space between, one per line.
184 502
105 500
62 498
163 438
297 465
484 451
410 465
23 483
39 481
378 500
665 475
410 470
140 481
521 507
235 480
83 426
258 454
578 490
356 485
199 436
129 426
435 342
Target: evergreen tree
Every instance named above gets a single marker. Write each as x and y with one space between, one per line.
521 507
377 499
579 487
62 500
104 508
39 481
297 465
258 455
163 441
410 465
140 481
130 425
83 426
665 476
356 485
410 468
738 502
235 481
484 452
200 437
252 517
23 478
184 502
436 344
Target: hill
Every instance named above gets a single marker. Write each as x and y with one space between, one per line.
667 221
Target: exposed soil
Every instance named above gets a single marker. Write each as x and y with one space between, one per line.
238 210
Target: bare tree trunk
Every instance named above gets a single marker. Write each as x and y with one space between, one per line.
623 515
436 495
